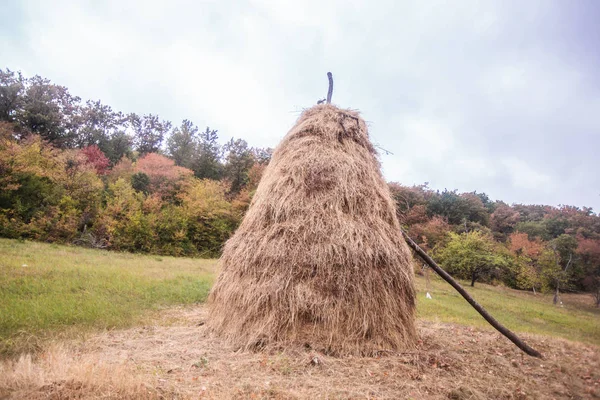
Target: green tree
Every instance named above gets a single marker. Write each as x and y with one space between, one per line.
182 144
557 263
12 86
50 111
97 123
207 161
473 256
450 205
556 226
149 132
533 229
140 182
489 205
117 146
238 162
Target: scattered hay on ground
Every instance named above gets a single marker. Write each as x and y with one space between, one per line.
181 360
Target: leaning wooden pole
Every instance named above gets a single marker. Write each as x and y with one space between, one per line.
499 327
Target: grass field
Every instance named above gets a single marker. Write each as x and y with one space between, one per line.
577 319
49 290
46 289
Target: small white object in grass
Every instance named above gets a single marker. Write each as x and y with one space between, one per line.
428 295
24 265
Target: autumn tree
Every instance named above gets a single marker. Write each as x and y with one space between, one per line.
475 209
530 212
527 252
588 250
123 169
503 221
406 199
82 184
96 158
520 244
45 194
206 207
241 201
29 169
122 223
163 175
430 233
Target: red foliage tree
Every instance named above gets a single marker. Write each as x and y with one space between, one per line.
430 233
95 157
520 244
589 253
504 219
164 175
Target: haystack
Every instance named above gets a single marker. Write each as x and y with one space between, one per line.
318 260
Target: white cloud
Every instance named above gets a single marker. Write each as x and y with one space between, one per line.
524 176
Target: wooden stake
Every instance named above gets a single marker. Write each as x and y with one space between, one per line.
499 327
330 91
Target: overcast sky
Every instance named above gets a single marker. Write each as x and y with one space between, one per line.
501 97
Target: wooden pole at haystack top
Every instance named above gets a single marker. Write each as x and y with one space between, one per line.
330 91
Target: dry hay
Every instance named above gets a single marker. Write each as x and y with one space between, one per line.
318 259
177 359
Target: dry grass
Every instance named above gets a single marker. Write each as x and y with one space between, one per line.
62 373
318 259
179 359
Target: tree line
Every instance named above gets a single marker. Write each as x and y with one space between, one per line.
528 247
81 172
